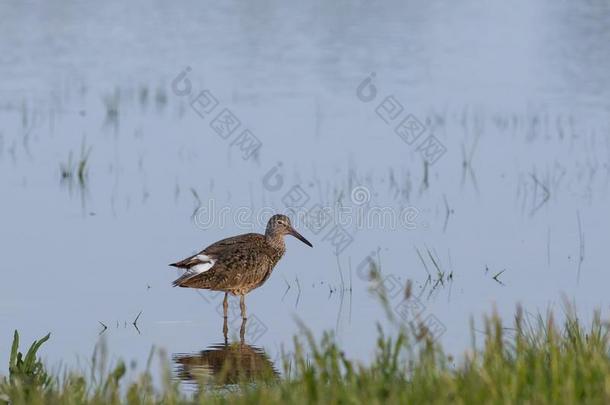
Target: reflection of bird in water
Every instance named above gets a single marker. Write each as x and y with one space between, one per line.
226 363
239 264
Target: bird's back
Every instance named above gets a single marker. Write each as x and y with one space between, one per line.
240 264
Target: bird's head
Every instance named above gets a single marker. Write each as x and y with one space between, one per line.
279 225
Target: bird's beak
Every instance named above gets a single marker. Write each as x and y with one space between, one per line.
300 237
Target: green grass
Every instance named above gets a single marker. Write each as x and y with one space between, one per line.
531 362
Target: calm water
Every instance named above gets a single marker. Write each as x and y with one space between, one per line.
516 94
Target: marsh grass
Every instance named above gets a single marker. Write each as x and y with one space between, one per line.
112 102
161 98
534 361
76 169
438 277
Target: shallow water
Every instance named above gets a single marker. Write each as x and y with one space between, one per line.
516 95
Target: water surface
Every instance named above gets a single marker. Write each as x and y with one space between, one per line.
517 94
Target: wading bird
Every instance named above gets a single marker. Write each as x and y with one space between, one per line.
239 264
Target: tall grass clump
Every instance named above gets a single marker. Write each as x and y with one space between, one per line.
26 372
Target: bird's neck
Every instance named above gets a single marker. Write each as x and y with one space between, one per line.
276 241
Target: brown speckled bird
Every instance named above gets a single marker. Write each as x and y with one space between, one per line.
239 264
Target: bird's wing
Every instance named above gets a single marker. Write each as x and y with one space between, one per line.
224 246
214 250
237 265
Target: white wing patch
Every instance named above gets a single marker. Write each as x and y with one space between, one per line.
207 264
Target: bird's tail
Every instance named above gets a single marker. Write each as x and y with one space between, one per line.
193 279
179 282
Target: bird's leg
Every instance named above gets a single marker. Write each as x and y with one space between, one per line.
225 310
242 306
242 331
225 306
225 330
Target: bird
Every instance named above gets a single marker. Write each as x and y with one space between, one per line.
239 264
